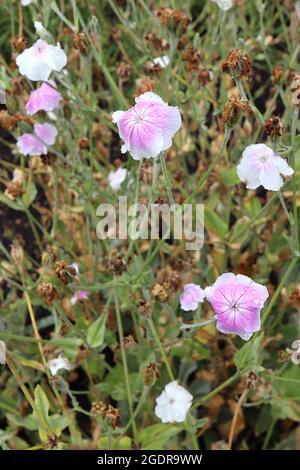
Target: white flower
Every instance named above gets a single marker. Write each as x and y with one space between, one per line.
163 61
224 4
59 363
116 178
25 3
261 166
38 61
173 403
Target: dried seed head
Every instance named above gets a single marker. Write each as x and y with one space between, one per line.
283 356
129 342
295 296
19 43
123 71
295 90
277 73
83 143
274 127
151 373
145 308
64 272
117 265
113 416
173 18
233 109
48 292
237 63
99 408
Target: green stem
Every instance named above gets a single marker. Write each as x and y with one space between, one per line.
124 360
162 158
161 348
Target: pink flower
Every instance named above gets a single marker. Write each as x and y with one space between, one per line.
237 302
261 166
116 178
148 127
191 297
36 143
44 98
79 296
38 61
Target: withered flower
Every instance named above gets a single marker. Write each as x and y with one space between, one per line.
233 109
64 272
193 57
151 373
274 127
156 42
237 63
123 71
204 76
129 342
99 408
173 18
144 84
160 292
48 292
80 42
14 187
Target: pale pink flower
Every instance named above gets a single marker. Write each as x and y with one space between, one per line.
79 296
148 127
36 143
191 297
116 178
237 302
38 61
261 166
44 98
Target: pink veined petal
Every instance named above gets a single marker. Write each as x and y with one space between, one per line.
116 116
31 65
55 57
46 133
283 166
146 141
270 177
